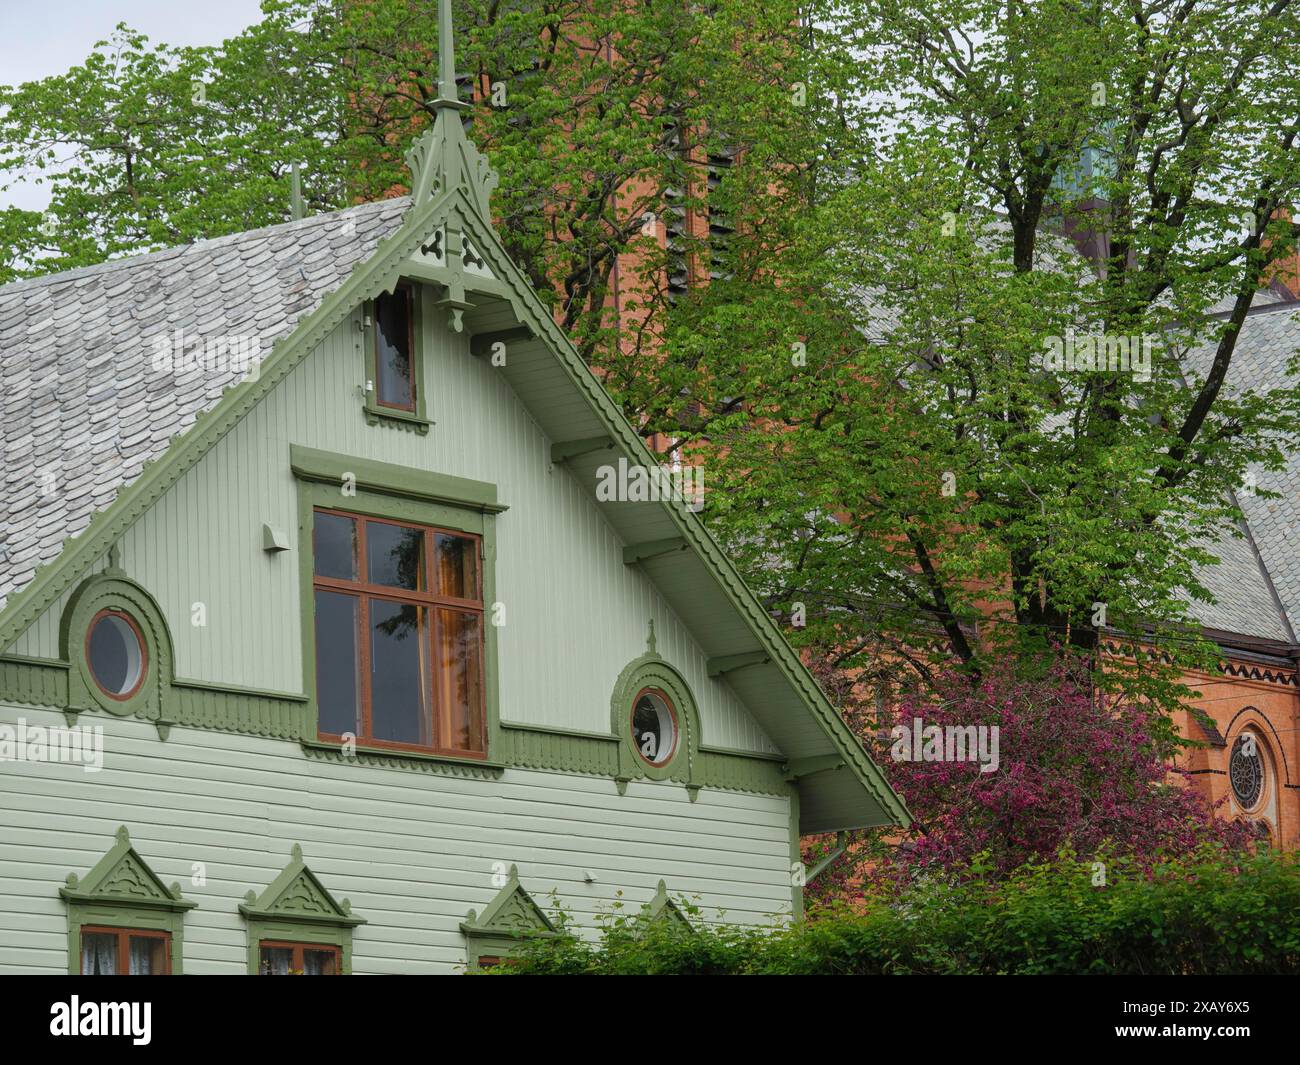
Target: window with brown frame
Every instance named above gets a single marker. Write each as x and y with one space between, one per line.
278 958
394 340
399 634
654 726
125 952
116 654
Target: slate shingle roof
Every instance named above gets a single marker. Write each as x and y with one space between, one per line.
86 393
1267 343
1244 601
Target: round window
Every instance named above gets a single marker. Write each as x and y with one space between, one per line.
115 653
654 726
1246 770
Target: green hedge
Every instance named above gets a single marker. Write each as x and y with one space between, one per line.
1207 913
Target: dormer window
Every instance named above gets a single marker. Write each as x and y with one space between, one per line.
394 340
394 386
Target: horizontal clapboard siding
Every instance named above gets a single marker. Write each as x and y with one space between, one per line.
413 851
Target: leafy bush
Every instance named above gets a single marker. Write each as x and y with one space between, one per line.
1074 770
1211 912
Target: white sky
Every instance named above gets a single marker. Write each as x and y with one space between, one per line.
43 37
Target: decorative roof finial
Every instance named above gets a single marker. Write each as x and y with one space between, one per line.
443 157
446 58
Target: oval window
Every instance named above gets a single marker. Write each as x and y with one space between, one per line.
115 654
654 726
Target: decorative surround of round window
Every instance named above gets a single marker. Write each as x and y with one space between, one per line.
654 726
653 715
1246 770
116 654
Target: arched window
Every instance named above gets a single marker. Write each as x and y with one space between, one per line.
654 714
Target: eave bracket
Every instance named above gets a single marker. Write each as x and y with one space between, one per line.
481 344
798 768
634 553
571 449
727 663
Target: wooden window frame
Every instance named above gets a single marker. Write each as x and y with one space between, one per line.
124 934
134 626
364 592
650 672
412 416
298 946
406 290
371 489
482 963
651 689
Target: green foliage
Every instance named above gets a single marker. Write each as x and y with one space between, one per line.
632 944
1205 913
919 478
591 111
150 146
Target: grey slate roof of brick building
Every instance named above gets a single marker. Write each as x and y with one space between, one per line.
1244 601
83 404
1269 340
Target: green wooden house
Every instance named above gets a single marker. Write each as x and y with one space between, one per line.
319 651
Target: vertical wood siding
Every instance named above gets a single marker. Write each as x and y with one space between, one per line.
41 640
576 615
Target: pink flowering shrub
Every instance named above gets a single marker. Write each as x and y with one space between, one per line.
1071 772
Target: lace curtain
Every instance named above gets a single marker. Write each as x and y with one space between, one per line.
276 961
98 955
143 957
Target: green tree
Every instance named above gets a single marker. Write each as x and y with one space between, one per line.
590 109
890 445
146 146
